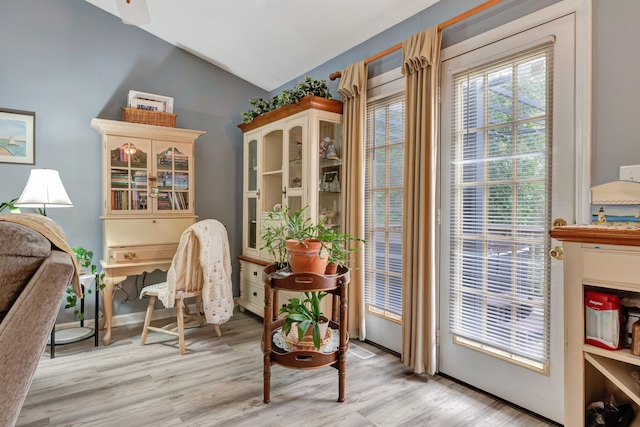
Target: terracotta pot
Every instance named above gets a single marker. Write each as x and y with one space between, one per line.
332 268
307 257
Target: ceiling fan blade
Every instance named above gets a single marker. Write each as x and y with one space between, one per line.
133 12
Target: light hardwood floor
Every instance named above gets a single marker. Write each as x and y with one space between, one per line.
218 382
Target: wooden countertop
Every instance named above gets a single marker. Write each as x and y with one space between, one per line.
604 234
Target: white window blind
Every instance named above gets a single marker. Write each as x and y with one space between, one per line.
500 205
383 206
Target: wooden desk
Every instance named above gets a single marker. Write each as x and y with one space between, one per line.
117 273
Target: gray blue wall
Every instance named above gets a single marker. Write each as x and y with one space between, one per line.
69 62
616 88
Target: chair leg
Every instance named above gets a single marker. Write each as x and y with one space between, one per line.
217 329
147 320
180 316
199 310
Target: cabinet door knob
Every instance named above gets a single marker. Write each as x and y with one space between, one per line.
255 273
255 294
129 255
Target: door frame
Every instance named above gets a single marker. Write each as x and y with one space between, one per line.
581 11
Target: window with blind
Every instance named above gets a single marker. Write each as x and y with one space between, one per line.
383 206
500 208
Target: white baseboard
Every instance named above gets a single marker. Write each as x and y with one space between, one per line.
136 318
127 318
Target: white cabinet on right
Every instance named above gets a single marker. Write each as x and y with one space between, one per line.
604 259
293 157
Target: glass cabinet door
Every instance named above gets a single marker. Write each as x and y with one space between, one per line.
252 194
294 151
330 173
172 163
128 171
272 186
252 167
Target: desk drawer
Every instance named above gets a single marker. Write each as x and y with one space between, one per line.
133 254
144 231
610 266
253 273
254 294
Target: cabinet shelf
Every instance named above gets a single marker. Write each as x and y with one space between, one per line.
623 355
326 162
618 373
276 172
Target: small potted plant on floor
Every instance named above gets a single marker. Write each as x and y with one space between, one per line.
301 315
84 259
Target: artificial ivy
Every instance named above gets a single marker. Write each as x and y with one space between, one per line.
306 87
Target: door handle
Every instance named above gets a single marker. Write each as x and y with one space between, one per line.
556 253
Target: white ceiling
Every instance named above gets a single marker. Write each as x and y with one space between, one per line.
270 42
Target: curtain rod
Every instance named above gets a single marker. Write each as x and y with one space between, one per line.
441 26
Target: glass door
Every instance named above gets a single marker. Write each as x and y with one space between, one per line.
330 173
295 148
128 172
507 171
172 163
271 179
252 193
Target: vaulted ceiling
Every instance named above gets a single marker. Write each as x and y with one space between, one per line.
270 42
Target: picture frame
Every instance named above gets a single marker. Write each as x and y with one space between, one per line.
17 137
330 181
164 104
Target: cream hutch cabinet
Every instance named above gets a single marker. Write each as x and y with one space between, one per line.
293 158
605 259
147 187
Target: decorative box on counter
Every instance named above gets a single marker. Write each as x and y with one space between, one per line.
616 203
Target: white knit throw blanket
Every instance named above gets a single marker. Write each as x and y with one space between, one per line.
215 262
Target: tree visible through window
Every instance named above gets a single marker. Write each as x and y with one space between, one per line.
500 205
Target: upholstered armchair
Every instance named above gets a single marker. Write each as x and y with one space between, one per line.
34 274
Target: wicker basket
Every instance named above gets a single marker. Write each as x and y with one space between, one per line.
306 344
134 115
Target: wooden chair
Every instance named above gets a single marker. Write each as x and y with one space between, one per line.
189 282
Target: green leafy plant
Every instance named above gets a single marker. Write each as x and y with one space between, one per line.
287 224
308 86
10 205
336 244
84 259
305 313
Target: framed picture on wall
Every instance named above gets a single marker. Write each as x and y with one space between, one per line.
17 137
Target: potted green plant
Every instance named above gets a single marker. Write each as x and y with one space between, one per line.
10 205
290 236
337 245
308 86
84 259
305 314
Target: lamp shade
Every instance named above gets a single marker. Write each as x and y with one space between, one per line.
44 189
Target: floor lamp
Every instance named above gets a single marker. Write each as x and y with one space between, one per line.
44 189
